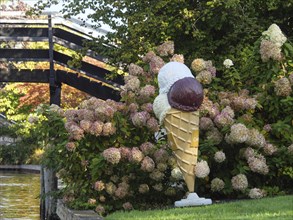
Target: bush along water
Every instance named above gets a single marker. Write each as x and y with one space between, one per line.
113 155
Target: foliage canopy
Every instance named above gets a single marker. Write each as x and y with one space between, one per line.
199 28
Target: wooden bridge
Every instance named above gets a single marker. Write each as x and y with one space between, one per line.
89 78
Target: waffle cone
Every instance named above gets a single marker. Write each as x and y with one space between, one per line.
182 131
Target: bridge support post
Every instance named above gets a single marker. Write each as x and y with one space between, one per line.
55 87
48 201
48 176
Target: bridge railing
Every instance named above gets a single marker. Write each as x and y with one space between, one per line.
91 78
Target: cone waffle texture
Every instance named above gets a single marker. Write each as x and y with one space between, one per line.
182 131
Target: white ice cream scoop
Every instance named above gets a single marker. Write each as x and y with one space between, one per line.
170 73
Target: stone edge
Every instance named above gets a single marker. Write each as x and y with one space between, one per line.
65 213
29 168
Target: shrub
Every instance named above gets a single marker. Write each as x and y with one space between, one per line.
110 159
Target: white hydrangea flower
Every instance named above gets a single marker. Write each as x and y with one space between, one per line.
239 133
239 182
256 193
176 173
228 63
219 156
32 119
217 185
275 35
202 169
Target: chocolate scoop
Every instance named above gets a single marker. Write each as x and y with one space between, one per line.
186 94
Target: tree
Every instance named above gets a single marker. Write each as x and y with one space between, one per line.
199 28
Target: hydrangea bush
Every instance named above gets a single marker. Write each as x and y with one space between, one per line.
115 156
246 122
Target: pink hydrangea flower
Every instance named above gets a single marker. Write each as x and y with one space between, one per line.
166 48
104 113
177 58
148 107
157 175
143 188
205 123
147 164
149 56
258 164
162 167
133 107
139 119
85 125
112 155
152 124
125 152
267 127
133 84
100 209
270 50
283 87
156 64
223 119
70 146
71 114
214 135
110 188
161 155
108 129
158 187
204 77
76 133
136 155
146 92
249 152
92 201
127 206
97 128
135 70
270 149
147 148
99 185
85 114
122 190
198 65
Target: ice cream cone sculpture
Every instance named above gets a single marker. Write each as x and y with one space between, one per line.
182 133
176 106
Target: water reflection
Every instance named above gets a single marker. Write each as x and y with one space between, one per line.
19 196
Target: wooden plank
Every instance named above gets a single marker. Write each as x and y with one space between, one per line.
68 36
90 70
24 55
86 85
23 32
24 75
75 47
24 39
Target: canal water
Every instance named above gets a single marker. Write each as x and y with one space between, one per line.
19 195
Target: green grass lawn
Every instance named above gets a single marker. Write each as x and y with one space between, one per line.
267 208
